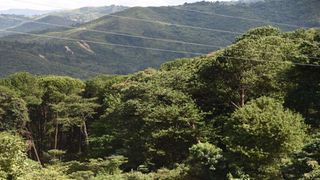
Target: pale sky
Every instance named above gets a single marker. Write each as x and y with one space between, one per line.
72 4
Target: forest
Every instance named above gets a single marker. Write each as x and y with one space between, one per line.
248 111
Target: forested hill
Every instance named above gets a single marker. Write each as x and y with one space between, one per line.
212 31
249 111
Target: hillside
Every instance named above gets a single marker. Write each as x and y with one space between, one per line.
87 14
17 56
102 58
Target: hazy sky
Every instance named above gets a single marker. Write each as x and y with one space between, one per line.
71 4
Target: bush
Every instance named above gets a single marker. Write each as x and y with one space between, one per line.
12 155
204 159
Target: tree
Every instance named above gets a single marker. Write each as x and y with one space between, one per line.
26 85
151 125
56 90
74 111
261 134
248 69
13 110
304 97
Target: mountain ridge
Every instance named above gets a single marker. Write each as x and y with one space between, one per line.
25 12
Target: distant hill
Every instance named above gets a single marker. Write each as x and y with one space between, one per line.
7 21
11 20
46 21
24 12
80 15
87 14
43 19
34 25
94 58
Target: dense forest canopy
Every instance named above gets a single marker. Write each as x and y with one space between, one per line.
249 111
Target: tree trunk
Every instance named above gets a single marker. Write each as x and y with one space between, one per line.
242 94
36 152
80 140
56 136
86 134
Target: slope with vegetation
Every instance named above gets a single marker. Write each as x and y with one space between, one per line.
249 111
87 14
103 58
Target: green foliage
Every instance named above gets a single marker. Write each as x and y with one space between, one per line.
261 134
56 155
109 165
74 111
94 168
305 163
179 173
204 159
57 87
26 85
207 154
304 96
13 110
247 70
14 163
159 121
49 173
260 32
82 175
100 85
12 155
